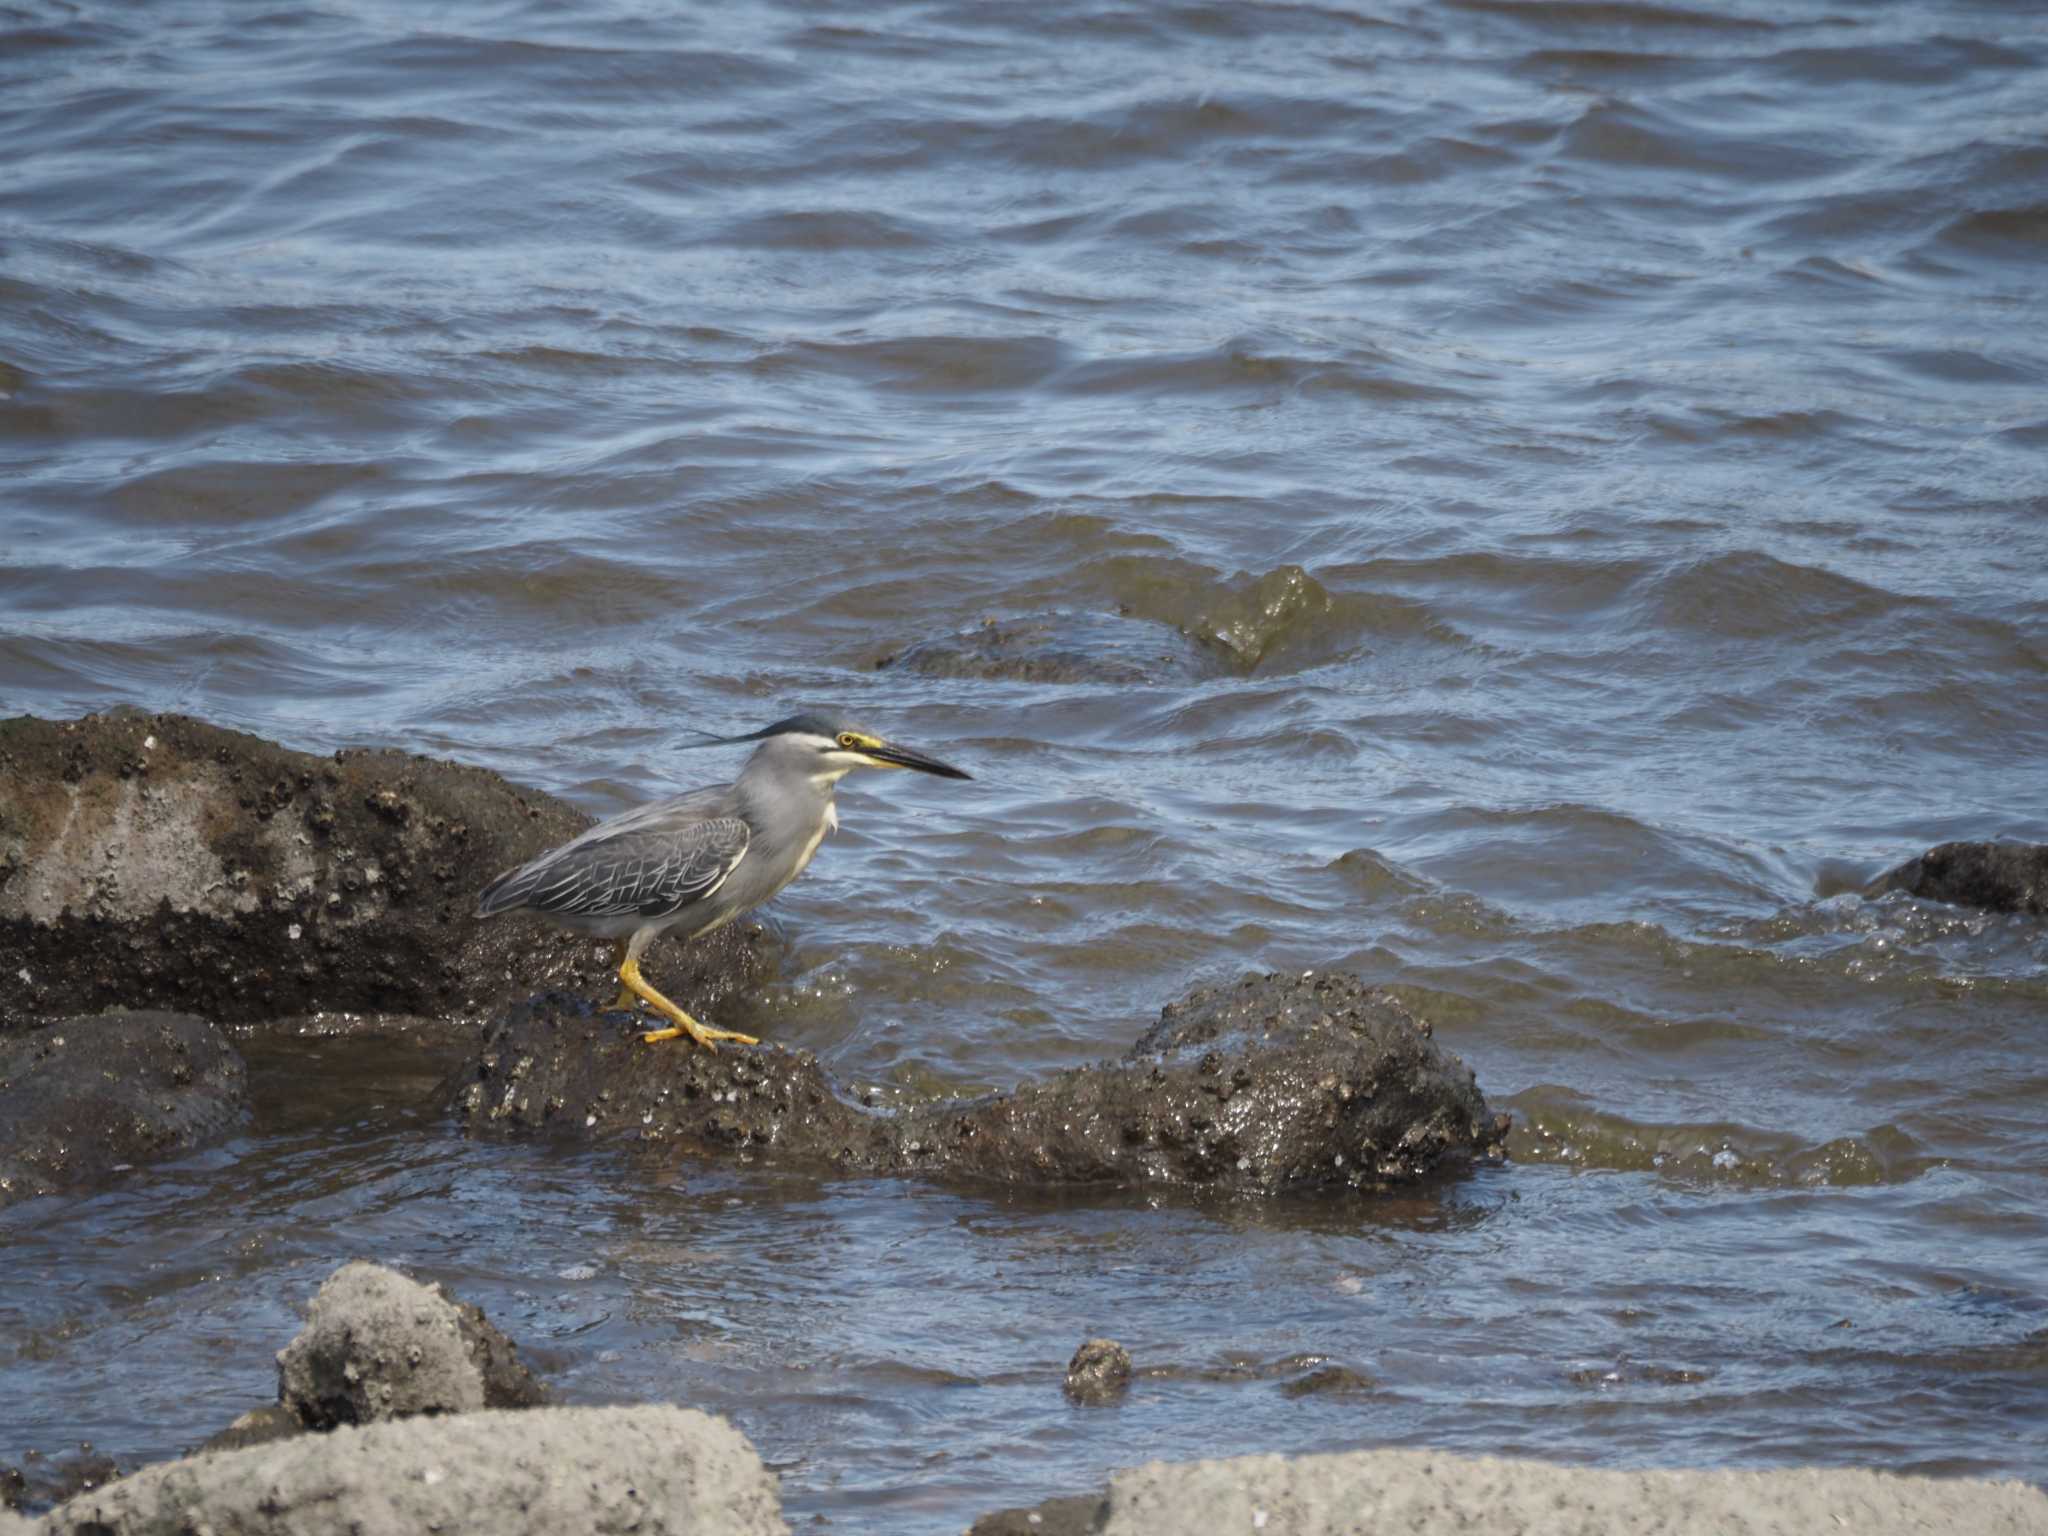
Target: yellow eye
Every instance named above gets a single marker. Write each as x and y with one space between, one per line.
848 740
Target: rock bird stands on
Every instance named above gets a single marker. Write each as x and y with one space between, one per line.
697 861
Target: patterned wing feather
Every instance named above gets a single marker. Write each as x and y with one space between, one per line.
644 870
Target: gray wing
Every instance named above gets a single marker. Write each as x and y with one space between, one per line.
636 866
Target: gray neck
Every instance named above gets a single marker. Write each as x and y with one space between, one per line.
786 788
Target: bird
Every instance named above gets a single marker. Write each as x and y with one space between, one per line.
697 860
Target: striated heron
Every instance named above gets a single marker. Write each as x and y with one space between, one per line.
696 861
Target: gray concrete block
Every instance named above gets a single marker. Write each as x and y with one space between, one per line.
650 1471
1423 1493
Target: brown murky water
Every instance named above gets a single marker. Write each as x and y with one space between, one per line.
1604 442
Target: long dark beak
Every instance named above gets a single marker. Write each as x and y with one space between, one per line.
907 757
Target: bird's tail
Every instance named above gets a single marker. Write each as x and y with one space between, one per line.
504 893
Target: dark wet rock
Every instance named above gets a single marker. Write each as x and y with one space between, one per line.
651 1470
1242 1368
1279 1083
507 1381
41 1481
259 1426
87 1097
1073 1516
2000 877
1329 1381
1100 1372
378 1345
158 861
1097 648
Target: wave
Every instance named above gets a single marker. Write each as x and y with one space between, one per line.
1753 595
1555 1125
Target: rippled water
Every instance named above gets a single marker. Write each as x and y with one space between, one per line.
1605 441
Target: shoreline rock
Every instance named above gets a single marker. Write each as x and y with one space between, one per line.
159 861
1429 1493
1280 1083
1999 877
401 1409
645 1470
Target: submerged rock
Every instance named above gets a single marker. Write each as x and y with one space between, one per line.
1280 1083
1328 1381
87 1097
1100 1372
378 1345
1098 648
158 861
2001 877
646 1470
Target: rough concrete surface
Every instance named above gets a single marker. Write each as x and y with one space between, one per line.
594 1471
380 1345
1280 1083
2000 877
158 861
84 1098
1422 1493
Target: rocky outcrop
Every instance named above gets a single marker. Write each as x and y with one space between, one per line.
1280 1083
86 1097
378 1345
158 861
646 1470
2000 877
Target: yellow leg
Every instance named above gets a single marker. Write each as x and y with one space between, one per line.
703 1034
626 997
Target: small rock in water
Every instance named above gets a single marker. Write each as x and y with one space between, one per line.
1999 877
379 1345
1099 1372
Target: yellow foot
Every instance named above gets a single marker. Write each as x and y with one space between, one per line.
703 1034
633 988
625 999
